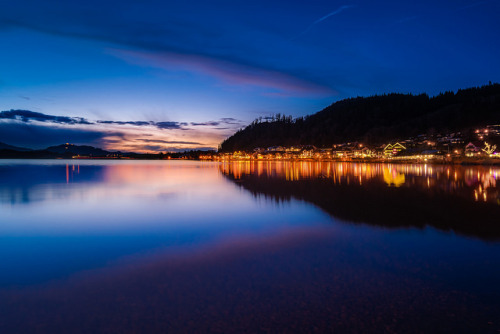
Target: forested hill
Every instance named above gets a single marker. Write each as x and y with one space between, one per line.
375 119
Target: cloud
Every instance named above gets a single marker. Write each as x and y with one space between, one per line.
155 148
335 12
82 20
210 123
167 125
136 123
223 71
176 149
28 116
224 120
170 125
230 120
159 141
41 136
37 130
162 148
194 42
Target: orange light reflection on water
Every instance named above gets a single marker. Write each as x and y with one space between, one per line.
475 182
151 178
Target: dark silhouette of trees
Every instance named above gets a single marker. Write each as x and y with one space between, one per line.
374 119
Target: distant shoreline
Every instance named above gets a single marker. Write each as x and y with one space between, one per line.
462 162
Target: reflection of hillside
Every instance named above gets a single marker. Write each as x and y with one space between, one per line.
440 197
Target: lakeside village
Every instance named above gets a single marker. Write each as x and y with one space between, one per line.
481 147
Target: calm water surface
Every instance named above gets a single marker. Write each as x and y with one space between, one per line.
177 246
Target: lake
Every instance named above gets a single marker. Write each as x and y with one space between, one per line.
128 246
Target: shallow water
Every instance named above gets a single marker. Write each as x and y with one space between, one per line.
183 246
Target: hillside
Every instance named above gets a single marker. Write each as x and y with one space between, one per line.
4 146
53 152
78 150
375 120
68 151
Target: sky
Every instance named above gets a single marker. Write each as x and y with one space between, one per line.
159 75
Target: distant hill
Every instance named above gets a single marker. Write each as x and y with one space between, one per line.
375 120
34 154
78 150
53 152
4 146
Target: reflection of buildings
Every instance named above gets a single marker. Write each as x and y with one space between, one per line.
301 170
392 177
72 172
471 182
34 182
436 148
422 195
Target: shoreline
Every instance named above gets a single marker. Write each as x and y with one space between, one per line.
462 161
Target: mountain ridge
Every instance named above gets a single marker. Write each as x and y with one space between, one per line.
78 150
375 119
53 152
4 146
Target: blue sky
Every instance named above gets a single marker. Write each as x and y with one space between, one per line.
211 67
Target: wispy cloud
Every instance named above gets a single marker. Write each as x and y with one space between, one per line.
28 116
170 125
163 148
39 136
230 120
167 125
177 149
321 19
210 123
335 12
37 130
224 120
474 4
186 43
136 123
223 71
159 141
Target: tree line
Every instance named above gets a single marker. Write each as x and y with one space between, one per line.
375 119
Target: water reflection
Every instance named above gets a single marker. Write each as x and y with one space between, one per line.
175 246
30 183
27 182
465 199
76 215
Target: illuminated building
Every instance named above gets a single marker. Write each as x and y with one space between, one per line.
393 149
473 149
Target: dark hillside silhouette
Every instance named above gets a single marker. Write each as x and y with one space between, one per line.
4 146
375 119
